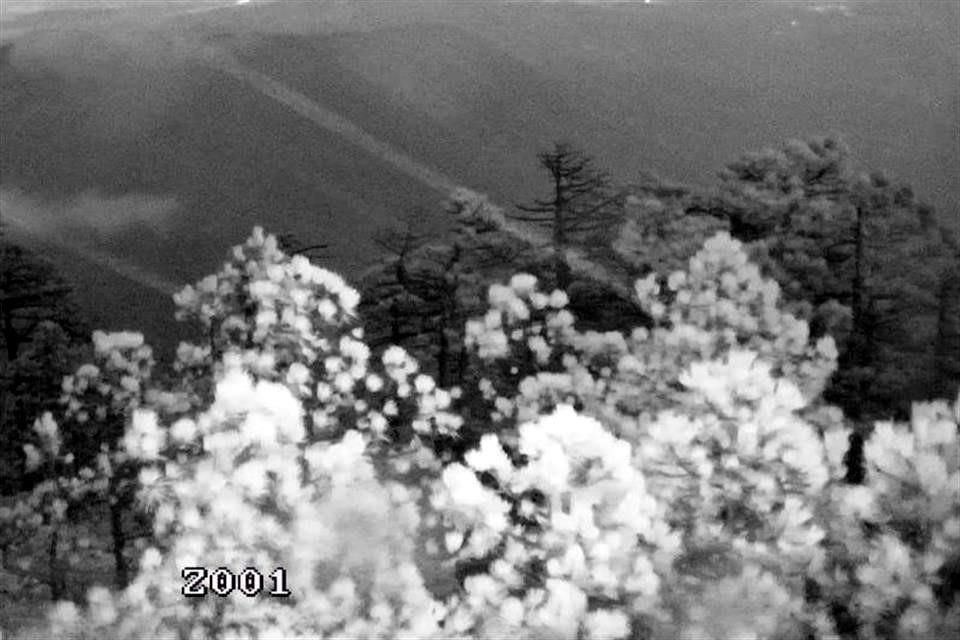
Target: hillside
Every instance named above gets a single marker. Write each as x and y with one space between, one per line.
680 87
118 114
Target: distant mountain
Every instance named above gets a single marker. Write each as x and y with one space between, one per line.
680 89
473 90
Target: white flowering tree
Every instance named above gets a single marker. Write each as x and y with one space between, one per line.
323 547
679 481
296 323
720 401
893 567
270 412
705 408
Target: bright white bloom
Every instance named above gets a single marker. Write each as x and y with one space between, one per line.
605 624
489 456
104 342
523 284
33 457
424 384
144 439
558 299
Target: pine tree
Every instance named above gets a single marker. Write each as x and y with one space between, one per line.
426 285
389 297
292 245
662 228
581 201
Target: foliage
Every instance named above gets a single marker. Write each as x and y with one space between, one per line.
82 466
662 229
581 201
40 342
948 332
856 255
420 295
677 481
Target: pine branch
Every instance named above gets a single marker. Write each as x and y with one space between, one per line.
39 292
539 206
544 219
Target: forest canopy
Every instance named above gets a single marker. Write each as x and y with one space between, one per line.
642 411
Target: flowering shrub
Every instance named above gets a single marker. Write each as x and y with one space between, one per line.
719 400
721 303
577 532
895 542
682 481
260 496
295 323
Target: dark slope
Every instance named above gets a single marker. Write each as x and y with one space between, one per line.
686 87
472 89
679 87
231 158
111 302
437 92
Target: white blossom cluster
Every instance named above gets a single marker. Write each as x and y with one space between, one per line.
712 396
44 510
588 530
115 383
293 322
912 493
695 492
723 301
261 496
261 297
97 399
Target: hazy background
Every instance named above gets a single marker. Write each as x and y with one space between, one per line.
136 163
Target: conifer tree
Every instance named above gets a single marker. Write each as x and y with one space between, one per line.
663 227
37 314
581 201
425 287
389 301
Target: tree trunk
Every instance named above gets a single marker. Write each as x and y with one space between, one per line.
57 579
443 354
560 269
858 293
394 323
947 352
121 568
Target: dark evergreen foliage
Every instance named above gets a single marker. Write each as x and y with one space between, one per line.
859 256
41 334
582 201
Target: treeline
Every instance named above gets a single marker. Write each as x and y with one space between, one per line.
42 339
857 255
618 428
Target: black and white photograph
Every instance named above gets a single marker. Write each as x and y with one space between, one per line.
479 319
